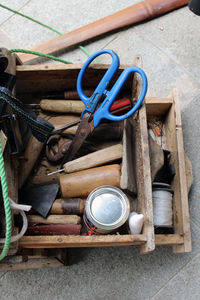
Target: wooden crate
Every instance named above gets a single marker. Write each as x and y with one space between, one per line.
34 81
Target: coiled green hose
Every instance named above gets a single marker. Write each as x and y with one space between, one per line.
6 206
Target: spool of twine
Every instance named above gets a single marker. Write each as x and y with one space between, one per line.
162 207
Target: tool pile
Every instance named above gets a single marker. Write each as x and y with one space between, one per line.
77 170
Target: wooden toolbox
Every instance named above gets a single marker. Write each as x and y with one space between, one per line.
47 251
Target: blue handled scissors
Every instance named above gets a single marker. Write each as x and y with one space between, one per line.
92 114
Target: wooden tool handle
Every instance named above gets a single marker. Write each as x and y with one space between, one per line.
54 219
136 13
31 155
80 184
54 229
73 94
94 159
68 206
62 106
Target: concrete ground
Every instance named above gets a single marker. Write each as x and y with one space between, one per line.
170 48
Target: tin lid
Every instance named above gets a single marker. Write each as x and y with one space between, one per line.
107 207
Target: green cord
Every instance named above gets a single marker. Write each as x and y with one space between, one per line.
29 18
6 206
44 25
40 54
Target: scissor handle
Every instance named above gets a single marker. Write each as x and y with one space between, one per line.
91 102
103 112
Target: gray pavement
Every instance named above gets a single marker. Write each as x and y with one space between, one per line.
170 48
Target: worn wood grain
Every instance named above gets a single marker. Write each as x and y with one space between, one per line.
81 241
54 219
95 159
144 172
156 106
168 239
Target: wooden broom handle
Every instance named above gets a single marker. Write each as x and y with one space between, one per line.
143 10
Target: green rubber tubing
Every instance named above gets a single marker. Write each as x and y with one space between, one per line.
6 203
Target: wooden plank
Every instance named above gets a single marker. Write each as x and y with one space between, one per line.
144 184
171 144
168 239
35 79
184 208
157 106
23 69
174 142
81 241
128 172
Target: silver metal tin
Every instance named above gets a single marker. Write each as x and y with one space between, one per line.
106 209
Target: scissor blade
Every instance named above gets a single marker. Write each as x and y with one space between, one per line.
60 129
82 133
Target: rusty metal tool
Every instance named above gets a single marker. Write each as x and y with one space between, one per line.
57 145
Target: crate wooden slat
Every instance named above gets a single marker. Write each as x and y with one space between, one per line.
81 241
174 136
144 184
168 239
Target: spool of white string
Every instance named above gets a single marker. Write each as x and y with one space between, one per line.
162 208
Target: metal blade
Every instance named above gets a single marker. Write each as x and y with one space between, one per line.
60 129
82 133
